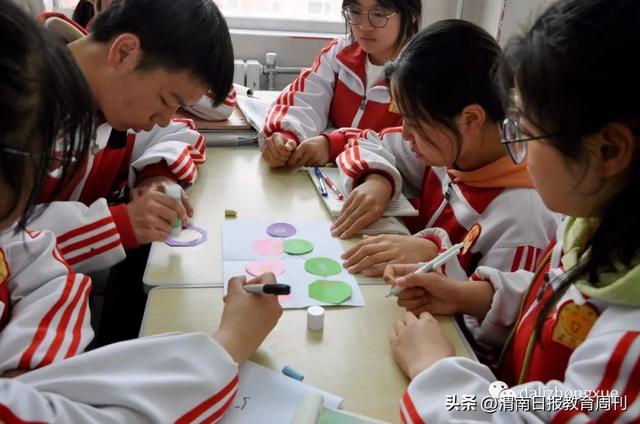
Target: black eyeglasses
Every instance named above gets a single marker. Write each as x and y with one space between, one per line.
378 18
515 140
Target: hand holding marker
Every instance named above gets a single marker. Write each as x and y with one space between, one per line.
431 265
465 245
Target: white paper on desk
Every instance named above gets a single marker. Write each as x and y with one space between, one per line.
237 250
398 207
254 109
267 396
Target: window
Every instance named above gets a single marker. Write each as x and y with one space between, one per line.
281 15
284 15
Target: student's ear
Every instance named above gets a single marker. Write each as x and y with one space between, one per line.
472 118
124 53
616 148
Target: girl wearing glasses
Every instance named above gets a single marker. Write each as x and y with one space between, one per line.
344 87
448 156
44 315
575 345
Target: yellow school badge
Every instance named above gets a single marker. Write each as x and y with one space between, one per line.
470 238
573 324
4 268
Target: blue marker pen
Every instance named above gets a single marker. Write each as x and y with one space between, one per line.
290 372
323 188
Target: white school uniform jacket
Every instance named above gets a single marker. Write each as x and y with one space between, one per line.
332 90
590 341
45 326
515 225
92 234
204 109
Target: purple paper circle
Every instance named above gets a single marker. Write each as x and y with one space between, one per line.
281 229
190 243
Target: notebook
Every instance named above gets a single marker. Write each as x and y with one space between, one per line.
399 207
233 131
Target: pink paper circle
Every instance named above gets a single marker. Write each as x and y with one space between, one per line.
284 299
260 267
268 247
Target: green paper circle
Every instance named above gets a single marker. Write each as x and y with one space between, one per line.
334 292
297 246
322 266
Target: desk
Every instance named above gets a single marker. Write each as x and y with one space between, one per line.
234 178
350 358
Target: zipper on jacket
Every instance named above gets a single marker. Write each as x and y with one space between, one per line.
359 112
443 204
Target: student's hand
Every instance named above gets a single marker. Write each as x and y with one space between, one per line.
313 151
277 149
438 294
152 214
364 206
372 254
158 183
418 343
247 318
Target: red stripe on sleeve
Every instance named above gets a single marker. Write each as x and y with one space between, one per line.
87 242
220 412
41 331
518 258
61 331
204 406
94 252
85 229
77 328
411 409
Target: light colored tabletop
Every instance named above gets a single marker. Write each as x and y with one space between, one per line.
350 357
234 178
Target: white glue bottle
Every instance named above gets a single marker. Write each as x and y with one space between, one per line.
175 191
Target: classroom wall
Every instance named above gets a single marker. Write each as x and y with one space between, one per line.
519 16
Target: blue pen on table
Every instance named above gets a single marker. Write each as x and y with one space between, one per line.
276 289
439 260
334 188
323 188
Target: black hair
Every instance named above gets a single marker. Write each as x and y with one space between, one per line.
47 110
83 13
447 66
176 35
410 12
576 71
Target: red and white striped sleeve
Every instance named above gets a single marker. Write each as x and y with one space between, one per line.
302 108
90 238
133 382
178 148
48 303
384 153
204 109
606 364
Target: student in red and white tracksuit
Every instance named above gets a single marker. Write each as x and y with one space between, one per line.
448 157
44 314
345 87
96 236
515 226
573 355
590 340
45 326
